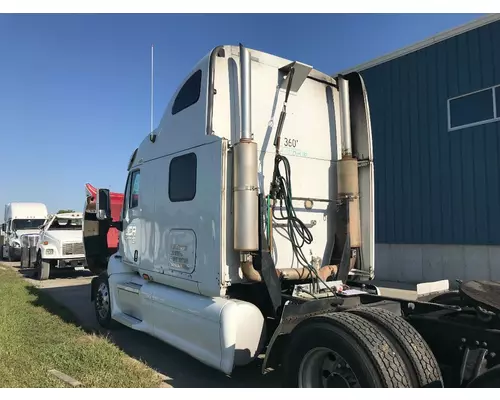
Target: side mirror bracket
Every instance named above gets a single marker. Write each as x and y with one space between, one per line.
118 225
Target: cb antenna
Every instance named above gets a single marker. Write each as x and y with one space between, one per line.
152 136
152 77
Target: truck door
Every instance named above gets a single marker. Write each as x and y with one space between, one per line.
130 238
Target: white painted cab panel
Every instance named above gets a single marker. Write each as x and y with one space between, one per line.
222 333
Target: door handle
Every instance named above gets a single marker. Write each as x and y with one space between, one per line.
136 255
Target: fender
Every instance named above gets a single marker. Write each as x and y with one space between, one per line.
293 314
40 248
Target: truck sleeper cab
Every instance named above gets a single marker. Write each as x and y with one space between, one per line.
177 272
245 214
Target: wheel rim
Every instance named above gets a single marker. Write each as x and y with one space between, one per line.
324 368
102 300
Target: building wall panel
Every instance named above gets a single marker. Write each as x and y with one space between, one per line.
435 186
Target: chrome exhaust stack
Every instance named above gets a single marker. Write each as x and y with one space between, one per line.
245 177
347 168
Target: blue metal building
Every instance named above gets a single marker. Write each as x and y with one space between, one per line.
435 112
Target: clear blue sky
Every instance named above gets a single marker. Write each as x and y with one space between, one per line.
74 89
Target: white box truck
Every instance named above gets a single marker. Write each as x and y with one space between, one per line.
21 218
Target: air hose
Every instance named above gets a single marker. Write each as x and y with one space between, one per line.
281 190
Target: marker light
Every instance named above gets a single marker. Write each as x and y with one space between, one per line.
308 204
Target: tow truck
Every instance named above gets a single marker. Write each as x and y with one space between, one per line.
247 228
60 244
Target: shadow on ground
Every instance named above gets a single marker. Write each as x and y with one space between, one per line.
72 303
55 274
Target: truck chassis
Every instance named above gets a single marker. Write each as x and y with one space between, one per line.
462 332
451 340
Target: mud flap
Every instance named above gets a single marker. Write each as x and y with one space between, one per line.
291 316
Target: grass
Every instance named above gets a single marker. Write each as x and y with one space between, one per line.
34 340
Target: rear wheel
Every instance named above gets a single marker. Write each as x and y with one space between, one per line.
416 354
342 350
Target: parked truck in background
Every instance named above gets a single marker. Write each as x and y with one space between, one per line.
95 237
60 244
20 218
248 228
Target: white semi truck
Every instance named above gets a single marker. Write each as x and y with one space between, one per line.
248 228
21 218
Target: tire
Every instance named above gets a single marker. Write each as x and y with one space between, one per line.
43 270
364 356
416 354
102 303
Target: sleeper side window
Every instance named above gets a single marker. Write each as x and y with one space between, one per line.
182 178
189 93
135 182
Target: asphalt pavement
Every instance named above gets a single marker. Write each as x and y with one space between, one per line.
72 289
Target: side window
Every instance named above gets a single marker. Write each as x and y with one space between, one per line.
126 197
473 109
182 178
135 182
189 93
